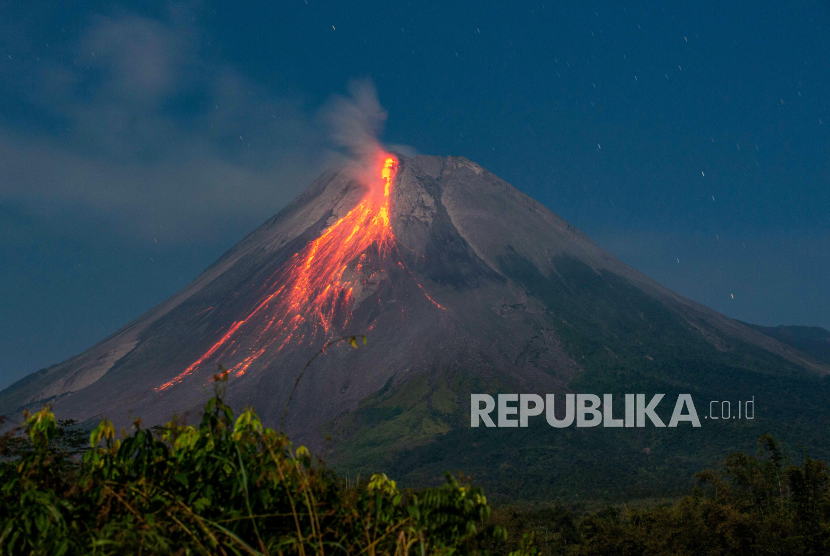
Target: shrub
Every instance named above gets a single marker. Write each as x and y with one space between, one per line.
228 486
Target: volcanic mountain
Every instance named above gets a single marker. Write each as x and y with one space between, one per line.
461 284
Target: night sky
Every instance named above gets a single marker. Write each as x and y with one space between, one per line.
138 143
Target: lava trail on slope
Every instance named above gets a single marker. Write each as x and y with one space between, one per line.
313 292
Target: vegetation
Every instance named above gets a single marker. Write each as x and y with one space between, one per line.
228 486
624 341
753 506
232 486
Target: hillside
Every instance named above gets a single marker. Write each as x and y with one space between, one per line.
462 284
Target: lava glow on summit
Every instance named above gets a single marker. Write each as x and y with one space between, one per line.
314 291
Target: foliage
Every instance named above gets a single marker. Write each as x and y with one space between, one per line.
624 340
753 506
232 486
228 486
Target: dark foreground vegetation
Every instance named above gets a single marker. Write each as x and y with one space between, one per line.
753 506
228 486
231 486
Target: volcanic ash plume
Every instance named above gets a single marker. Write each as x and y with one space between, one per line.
356 123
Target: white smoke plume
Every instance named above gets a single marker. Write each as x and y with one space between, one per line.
356 122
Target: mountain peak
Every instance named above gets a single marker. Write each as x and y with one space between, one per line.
440 264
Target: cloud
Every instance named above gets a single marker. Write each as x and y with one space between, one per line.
183 197
138 125
356 122
140 56
142 131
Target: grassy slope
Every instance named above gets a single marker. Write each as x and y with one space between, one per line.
627 342
809 339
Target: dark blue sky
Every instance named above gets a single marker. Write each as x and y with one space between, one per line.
138 143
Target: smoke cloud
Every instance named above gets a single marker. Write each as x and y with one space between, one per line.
356 122
124 159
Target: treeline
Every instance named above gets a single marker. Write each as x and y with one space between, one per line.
753 505
232 486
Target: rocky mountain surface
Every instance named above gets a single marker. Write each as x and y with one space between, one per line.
461 284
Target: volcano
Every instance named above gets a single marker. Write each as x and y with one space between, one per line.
460 284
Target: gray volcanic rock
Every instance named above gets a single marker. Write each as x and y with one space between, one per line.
118 377
465 293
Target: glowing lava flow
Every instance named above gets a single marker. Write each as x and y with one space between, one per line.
316 286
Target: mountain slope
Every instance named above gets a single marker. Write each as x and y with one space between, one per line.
467 285
812 340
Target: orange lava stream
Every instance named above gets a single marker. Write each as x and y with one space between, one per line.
316 285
